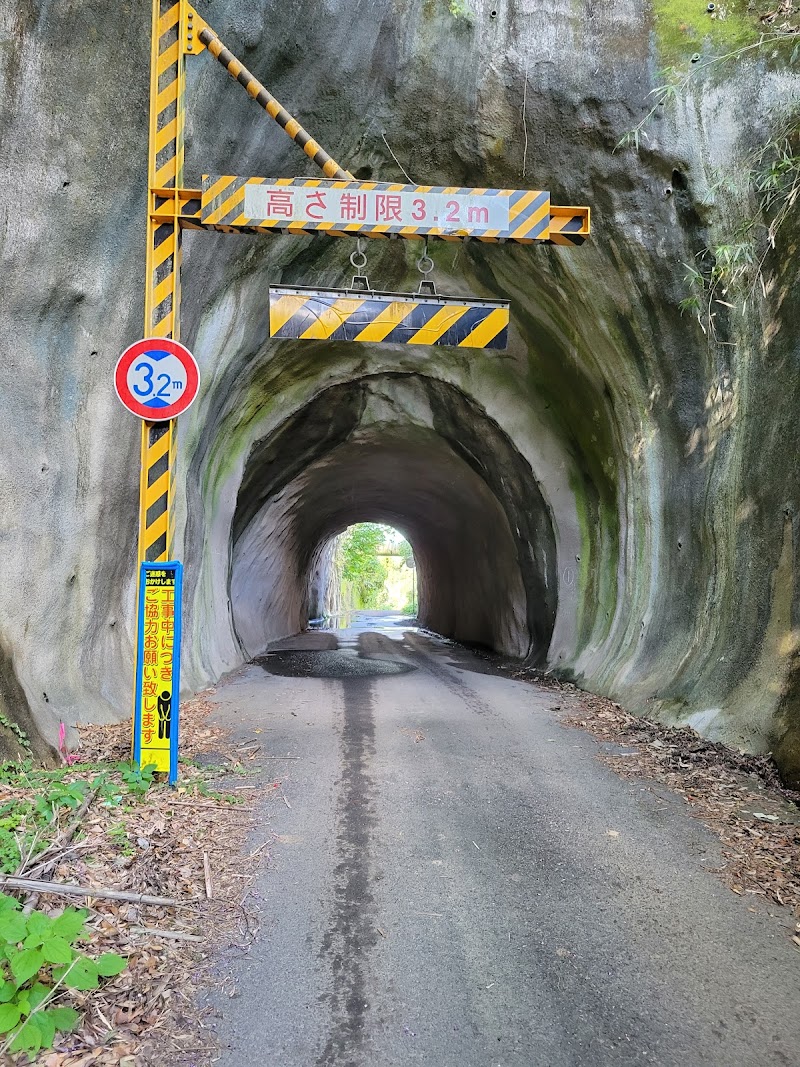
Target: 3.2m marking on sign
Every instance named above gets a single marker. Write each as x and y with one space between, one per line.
339 207
376 209
157 379
157 390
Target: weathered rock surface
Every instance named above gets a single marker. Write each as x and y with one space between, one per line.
615 496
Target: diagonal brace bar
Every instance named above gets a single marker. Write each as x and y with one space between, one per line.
273 107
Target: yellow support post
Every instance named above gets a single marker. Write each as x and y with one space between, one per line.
163 263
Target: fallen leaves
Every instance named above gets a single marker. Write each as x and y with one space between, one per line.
738 796
163 843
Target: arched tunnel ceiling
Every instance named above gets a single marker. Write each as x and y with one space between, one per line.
418 454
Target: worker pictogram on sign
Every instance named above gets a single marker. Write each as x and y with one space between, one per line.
157 379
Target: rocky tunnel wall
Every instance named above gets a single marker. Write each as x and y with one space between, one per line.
633 474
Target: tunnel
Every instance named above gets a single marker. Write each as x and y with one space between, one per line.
505 470
458 489
613 498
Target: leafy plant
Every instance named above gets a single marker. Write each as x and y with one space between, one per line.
729 272
673 82
775 168
676 81
37 959
61 795
137 779
201 789
118 834
460 9
22 738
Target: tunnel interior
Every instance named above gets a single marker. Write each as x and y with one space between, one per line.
452 483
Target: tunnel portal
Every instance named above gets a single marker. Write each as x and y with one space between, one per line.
447 477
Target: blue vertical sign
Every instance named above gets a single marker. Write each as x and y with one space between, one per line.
158 676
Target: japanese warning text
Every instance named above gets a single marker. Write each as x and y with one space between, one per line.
476 212
157 653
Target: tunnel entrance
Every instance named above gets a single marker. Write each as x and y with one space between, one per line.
416 455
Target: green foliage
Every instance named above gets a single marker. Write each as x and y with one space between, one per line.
460 9
763 194
118 834
727 273
137 779
673 82
26 826
775 169
16 839
22 738
404 550
61 795
37 959
361 567
676 81
683 26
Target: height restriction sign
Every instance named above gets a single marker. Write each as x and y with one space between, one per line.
158 682
157 379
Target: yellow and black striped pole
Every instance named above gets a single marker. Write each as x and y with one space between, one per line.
162 272
207 37
162 282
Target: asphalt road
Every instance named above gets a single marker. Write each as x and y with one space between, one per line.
459 882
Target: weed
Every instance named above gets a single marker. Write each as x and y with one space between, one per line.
118 833
728 273
137 779
460 9
37 958
22 738
202 790
61 795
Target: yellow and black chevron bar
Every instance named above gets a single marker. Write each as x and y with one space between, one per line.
569 225
374 209
208 38
388 318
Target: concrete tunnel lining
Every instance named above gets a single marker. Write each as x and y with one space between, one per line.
453 487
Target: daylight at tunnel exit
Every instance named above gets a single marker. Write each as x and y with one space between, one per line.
400 533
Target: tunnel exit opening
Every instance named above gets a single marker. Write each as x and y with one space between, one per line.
366 567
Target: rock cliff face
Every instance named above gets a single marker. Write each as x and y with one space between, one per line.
616 496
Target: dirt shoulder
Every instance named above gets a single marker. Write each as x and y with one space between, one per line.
737 796
186 845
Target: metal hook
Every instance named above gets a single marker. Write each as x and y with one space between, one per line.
358 258
425 263
359 261
427 286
